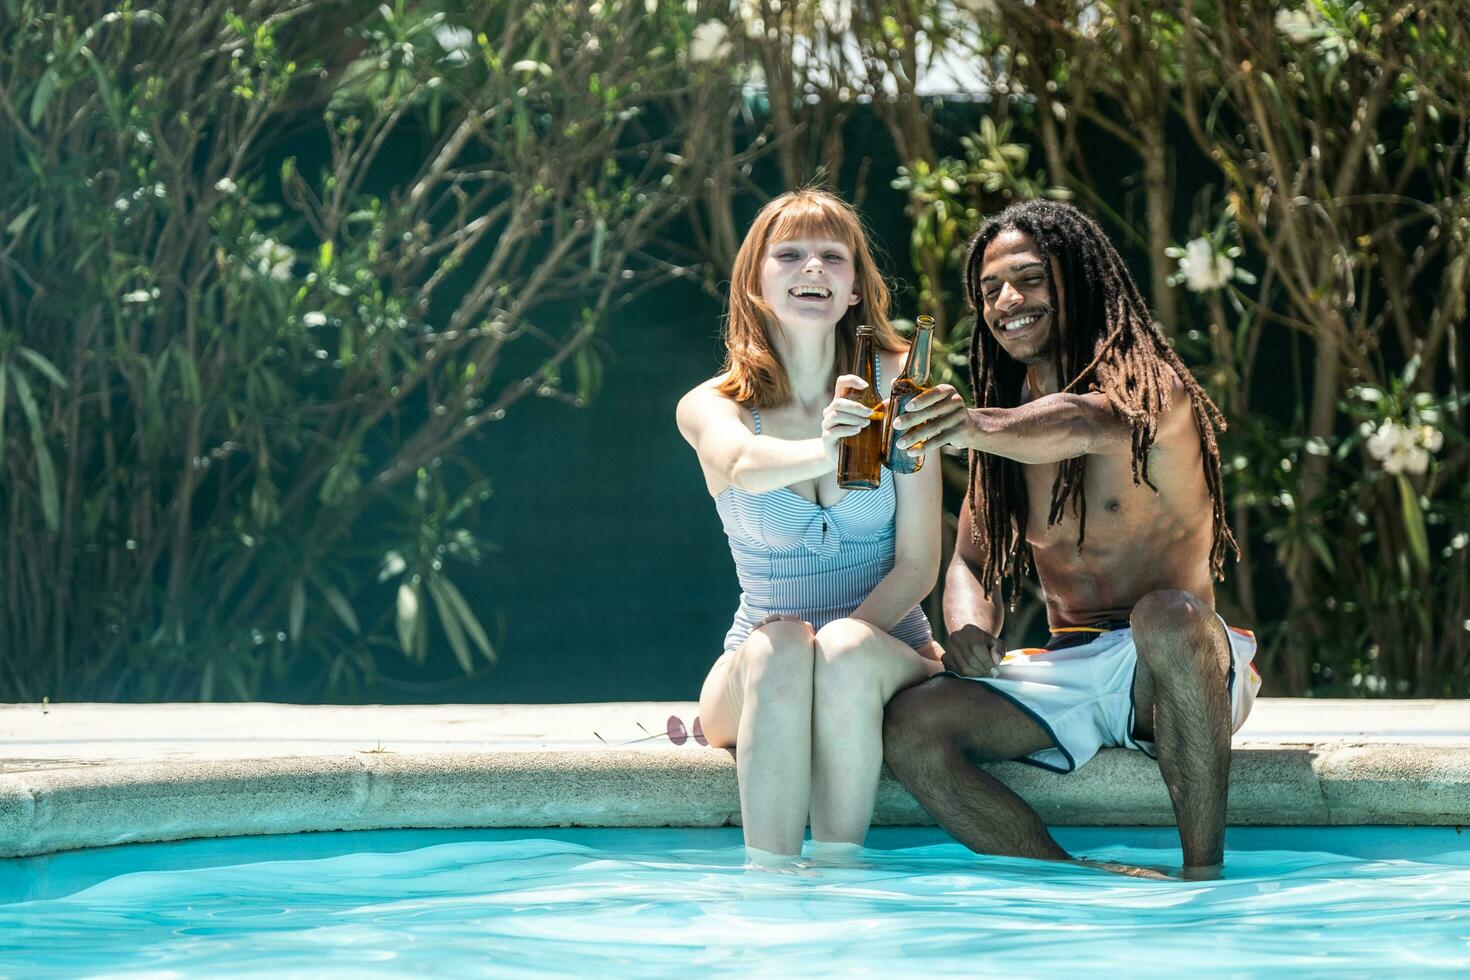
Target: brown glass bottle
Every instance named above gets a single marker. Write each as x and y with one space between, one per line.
860 457
911 382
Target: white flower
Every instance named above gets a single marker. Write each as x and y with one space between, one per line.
711 42
1430 438
316 318
1404 456
456 42
1380 442
453 38
140 295
273 259
1389 439
1299 26
225 185
1203 268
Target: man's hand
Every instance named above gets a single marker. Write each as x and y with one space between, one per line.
972 652
936 418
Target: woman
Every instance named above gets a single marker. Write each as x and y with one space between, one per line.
828 627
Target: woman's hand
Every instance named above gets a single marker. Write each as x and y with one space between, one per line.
938 417
844 417
782 618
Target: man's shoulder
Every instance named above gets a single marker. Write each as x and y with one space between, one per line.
1182 417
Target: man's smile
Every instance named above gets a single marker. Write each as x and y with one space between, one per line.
1018 324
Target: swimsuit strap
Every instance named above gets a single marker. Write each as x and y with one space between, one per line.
755 414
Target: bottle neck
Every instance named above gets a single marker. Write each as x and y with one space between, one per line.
862 357
864 365
916 366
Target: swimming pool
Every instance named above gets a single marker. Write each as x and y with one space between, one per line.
678 902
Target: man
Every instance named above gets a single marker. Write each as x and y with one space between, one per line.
1082 403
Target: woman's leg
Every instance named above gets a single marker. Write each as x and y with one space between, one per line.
858 668
759 699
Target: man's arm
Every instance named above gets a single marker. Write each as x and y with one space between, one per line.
1045 430
972 618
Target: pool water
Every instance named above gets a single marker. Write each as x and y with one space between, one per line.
680 903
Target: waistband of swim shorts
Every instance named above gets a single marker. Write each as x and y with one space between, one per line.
1064 637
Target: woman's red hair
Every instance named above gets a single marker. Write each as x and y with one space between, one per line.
754 374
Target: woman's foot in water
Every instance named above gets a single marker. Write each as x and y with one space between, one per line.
835 854
759 860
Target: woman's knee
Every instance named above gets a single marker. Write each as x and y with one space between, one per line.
778 655
852 663
848 646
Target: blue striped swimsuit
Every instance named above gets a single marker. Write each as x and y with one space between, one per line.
796 557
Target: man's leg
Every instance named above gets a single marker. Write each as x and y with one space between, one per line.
1182 704
934 734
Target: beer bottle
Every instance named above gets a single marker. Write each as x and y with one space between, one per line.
860 457
911 382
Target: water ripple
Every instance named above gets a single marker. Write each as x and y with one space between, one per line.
556 906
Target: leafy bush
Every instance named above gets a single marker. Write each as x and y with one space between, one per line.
240 345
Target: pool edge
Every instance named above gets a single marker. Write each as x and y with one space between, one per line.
87 794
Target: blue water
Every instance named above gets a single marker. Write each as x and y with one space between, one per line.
1360 901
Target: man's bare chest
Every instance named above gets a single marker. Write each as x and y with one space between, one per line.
1120 513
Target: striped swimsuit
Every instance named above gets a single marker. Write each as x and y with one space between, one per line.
798 558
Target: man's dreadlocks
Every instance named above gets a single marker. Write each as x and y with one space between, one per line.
1106 342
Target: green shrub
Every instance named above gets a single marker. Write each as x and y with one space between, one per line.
240 348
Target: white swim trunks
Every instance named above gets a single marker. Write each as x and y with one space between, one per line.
1079 688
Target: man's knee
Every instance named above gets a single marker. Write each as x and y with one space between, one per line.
1175 629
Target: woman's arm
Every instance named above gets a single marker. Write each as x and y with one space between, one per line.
732 455
915 548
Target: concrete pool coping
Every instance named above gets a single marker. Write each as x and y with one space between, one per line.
87 775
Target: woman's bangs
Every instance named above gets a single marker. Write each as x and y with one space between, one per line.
814 220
